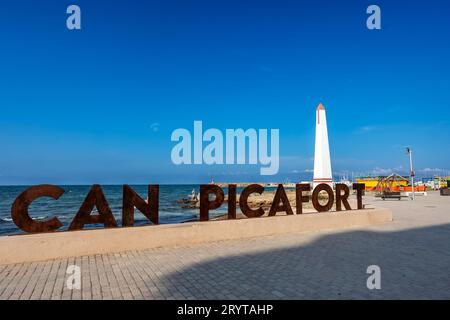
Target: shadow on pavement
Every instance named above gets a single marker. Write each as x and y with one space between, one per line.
415 264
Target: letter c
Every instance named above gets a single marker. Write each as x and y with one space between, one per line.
19 210
246 210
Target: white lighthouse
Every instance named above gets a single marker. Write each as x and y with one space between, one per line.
322 162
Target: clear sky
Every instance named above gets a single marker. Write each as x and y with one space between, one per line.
99 104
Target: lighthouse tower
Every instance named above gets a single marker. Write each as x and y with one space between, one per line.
322 162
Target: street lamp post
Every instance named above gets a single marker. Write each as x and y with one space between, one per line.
412 174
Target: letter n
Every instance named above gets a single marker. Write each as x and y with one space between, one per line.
131 200
95 198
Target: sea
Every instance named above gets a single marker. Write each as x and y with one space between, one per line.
65 208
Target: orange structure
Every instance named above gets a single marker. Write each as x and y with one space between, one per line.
392 183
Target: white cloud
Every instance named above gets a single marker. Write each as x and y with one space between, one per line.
366 129
386 171
430 170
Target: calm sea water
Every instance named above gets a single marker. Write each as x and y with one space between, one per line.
68 204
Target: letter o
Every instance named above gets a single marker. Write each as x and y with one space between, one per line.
315 197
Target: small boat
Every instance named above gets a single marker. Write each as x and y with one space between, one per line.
192 199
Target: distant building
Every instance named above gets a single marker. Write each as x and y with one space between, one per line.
372 182
394 182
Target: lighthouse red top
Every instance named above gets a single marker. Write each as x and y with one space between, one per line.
319 107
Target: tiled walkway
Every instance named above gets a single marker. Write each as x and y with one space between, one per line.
413 253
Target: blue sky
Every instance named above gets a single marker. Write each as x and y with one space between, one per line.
99 104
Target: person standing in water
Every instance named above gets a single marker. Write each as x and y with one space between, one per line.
194 196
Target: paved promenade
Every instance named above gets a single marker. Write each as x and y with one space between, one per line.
413 253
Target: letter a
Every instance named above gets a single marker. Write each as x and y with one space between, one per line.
374 20
74 280
374 280
74 20
95 198
181 153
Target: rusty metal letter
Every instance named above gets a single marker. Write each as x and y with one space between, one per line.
131 200
246 210
231 201
315 197
19 209
205 203
299 197
276 207
359 187
95 198
342 198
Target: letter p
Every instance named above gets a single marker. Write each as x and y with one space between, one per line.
205 203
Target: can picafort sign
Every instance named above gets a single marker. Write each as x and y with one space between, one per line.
211 197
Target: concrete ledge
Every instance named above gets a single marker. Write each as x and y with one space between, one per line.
40 247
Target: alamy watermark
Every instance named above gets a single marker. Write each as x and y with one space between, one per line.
73 21
240 147
374 280
73 281
374 20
